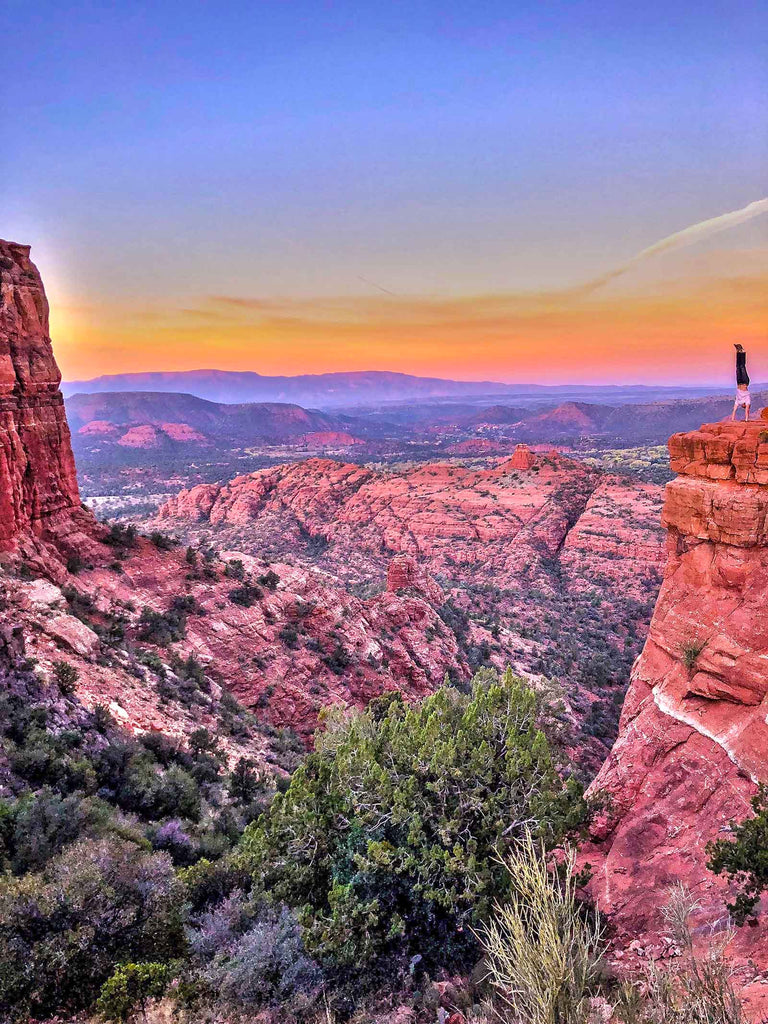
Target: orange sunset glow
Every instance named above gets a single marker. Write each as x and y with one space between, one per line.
611 334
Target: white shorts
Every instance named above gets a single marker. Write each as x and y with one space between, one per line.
743 399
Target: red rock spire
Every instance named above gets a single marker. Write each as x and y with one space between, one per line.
37 468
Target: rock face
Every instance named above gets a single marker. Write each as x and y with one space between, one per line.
405 573
37 469
693 738
500 524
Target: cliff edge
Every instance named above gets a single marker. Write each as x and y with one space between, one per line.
38 485
693 738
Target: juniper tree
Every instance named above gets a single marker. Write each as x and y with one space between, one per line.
387 838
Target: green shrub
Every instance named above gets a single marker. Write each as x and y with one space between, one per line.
130 988
121 536
162 628
246 596
234 569
269 579
338 659
690 653
387 837
39 825
66 676
75 564
185 603
163 541
289 636
245 781
151 659
744 858
62 931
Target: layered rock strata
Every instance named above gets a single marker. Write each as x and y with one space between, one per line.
693 738
37 470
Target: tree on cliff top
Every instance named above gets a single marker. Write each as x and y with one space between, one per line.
387 838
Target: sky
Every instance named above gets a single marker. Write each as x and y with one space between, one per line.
295 187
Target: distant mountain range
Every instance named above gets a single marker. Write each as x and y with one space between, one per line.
358 389
646 422
148 419
187 418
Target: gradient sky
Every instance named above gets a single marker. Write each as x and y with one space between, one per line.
296 187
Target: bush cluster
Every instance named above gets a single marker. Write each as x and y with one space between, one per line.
95 841
386 841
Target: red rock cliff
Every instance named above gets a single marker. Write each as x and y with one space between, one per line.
38 485
693 738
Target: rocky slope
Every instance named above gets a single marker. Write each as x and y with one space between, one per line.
285 647
127 613
693 741
502 524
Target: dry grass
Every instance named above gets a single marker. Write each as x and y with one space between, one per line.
695 989
543 955
543 958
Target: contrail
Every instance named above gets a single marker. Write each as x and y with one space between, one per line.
374 285
680 239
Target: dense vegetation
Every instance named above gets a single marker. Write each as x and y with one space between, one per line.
388 837
105 841
413 841
381 852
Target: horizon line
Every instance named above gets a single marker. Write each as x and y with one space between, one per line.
403 373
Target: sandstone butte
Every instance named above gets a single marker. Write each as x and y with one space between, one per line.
693 738
38 486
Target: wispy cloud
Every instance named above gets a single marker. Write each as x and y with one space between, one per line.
680 239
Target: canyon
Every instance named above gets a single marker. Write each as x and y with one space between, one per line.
545 563
538 561
317 581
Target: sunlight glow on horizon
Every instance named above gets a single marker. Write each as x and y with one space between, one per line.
521 192
679 332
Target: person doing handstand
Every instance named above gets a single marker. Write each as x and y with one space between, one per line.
742 384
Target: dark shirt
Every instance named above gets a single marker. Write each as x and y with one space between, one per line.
742 377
